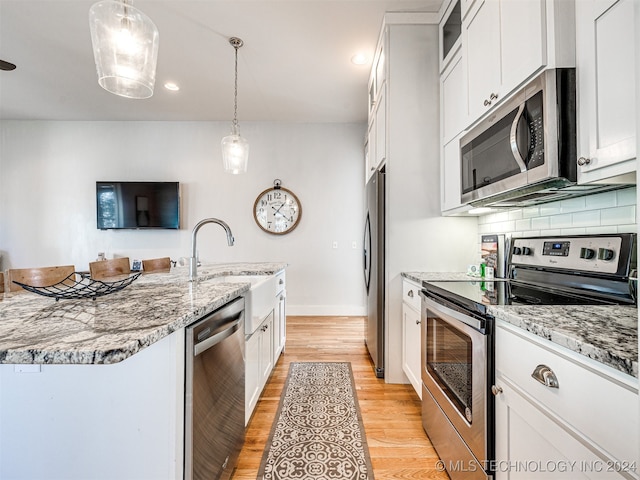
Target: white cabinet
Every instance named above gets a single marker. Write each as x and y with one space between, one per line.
450 187
280 317
258 363
481 31
453 98
554 427
605 57
506 42
381 128
411 333
376 143
264 346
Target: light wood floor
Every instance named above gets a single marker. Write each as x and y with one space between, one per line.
398 446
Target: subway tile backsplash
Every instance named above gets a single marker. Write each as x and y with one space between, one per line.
608 212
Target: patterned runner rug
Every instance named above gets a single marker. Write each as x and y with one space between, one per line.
317 433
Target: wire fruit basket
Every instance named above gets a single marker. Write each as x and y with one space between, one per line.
86 287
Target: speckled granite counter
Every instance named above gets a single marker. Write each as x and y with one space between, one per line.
607 334
420 277
36 329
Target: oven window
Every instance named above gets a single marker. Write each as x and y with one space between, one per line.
449 363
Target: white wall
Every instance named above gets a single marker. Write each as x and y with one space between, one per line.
48 172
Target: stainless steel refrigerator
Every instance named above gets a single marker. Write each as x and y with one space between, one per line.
374 269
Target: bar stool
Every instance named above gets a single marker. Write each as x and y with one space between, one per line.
38 277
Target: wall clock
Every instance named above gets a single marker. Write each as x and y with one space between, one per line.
277 210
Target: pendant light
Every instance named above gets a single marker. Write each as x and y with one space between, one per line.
125 48
235 149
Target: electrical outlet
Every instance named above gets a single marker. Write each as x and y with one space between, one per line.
335 244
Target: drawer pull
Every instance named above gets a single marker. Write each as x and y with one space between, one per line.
545 376
410 294
496 390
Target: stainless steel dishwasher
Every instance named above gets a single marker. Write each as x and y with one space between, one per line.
214 393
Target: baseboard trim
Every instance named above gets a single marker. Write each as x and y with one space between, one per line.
326 310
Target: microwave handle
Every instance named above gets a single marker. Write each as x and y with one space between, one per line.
513 139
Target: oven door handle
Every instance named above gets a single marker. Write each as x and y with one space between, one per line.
466 319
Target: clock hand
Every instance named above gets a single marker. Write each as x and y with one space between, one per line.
278 209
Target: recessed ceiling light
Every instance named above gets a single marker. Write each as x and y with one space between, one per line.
171 86
359 59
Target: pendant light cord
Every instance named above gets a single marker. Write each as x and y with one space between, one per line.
235 91
236 43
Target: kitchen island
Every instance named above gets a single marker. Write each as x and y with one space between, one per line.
94 389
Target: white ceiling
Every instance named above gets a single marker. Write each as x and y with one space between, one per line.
294 65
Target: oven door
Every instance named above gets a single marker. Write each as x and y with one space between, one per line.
456 360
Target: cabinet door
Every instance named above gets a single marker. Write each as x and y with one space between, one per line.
266 350
279 326
482 54
605 53
522 32
381 128
252 374
450 175
411 346
370 151
531 444
454 98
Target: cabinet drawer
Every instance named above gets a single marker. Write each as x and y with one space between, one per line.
411 294
280 282
602 408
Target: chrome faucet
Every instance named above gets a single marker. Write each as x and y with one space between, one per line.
193 260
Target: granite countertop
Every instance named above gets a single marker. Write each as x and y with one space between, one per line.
38 330
606 334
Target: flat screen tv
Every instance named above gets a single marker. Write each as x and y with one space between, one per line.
138 205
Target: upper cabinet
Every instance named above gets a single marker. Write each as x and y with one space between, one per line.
376 143
605 63
505 43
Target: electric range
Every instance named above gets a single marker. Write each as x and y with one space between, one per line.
457 331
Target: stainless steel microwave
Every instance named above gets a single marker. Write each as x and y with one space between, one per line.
525 151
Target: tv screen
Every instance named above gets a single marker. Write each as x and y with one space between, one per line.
138 205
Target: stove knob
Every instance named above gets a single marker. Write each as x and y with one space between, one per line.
605 254
587 253
517 251
527 251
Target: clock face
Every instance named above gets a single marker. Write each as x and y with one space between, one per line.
277 211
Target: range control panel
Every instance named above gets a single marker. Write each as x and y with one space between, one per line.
591 254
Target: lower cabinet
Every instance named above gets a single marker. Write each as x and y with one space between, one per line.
579 420
279 326
258 363
411 334
264 346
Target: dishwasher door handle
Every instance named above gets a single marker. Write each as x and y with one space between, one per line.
198 348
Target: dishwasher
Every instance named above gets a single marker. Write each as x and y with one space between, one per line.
214 393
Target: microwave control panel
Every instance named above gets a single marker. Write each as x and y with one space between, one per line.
599 254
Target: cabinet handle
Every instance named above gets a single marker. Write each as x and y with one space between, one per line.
545 376
410 294
418 322
582 161
487 103
493 96
496 390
